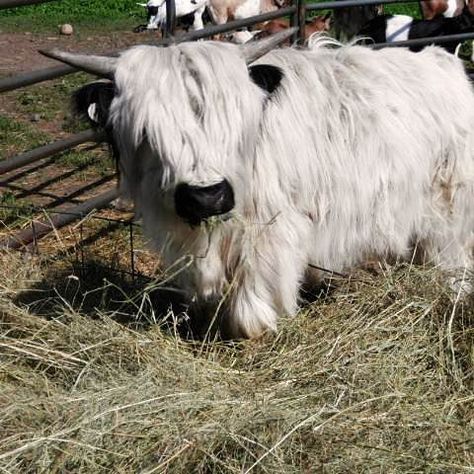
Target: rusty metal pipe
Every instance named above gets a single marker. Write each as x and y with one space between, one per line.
33 77
41 228
336 4
425 41
50 149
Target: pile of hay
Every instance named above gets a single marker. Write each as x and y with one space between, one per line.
375 377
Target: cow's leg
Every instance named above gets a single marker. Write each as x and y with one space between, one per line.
267 281
433 8
454 257
198 23
218 16
457 262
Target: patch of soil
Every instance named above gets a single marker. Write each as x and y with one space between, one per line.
22 56
22 48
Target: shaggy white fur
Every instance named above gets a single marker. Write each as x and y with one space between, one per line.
358 153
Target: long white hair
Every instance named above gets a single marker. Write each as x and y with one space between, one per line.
355 153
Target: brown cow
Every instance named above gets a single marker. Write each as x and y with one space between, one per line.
448 8
222 11
317 24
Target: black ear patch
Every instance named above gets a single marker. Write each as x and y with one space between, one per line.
93 102
266 76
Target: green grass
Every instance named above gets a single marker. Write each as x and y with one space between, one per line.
51 100
87 13
18 137
47 101
13 211
410 9
98 158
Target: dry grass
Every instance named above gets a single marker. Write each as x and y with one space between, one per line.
376 377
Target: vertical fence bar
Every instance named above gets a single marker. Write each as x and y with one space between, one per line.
294 21
170 18
301 13
298 19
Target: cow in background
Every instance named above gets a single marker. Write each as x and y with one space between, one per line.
318 24
220 11
447 8
391 28
433 9
350 20
188 11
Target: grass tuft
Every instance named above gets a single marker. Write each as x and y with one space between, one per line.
18 137
376 377
88 13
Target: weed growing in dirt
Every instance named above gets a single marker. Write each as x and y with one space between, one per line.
81 158
13 211
18 137
51 101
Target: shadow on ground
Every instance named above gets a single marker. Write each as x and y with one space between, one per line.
94 290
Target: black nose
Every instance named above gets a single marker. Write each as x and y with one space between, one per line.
196 203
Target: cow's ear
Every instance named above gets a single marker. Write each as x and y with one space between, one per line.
266 76
93 100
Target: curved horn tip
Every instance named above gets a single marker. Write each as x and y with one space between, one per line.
103 66
50 53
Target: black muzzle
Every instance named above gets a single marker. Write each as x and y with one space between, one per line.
197 203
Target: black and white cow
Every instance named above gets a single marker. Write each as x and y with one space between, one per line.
392 28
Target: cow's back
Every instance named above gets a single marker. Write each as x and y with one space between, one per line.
365 143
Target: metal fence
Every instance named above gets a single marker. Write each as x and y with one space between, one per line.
29 236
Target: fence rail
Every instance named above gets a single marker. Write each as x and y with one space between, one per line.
50 149
335 5
33 77
424 41
44 227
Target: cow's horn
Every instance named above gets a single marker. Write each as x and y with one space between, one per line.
252 51
103 66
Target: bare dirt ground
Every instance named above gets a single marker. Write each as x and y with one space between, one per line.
20 54
20 50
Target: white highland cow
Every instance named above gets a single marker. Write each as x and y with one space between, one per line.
321 157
